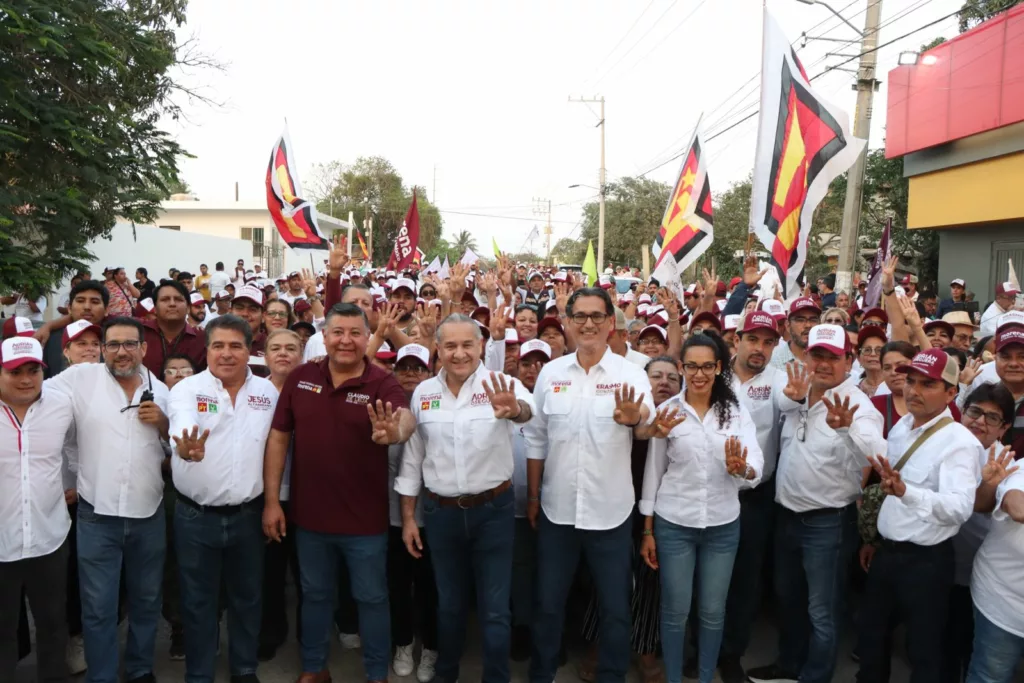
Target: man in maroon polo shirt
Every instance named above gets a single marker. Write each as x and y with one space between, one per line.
339 486
249 304
170 334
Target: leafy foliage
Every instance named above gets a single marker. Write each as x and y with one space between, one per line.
633 212
463 241
83 84
975 12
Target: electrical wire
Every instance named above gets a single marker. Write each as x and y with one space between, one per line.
621 40
633 46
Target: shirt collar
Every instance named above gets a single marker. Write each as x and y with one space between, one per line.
909 419
220 385
442 376
604 363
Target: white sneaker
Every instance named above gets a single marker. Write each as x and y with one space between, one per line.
403 664
75 655
425 671
350 641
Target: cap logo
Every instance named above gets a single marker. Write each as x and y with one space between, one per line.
925 359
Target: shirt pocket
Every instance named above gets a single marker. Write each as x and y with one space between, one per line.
557 407
484 428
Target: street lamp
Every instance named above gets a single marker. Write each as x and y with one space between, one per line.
909 58
833 11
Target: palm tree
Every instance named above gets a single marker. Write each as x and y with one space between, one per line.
464 241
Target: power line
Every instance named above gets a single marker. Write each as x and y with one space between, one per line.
623 38
486 215
667 35
633 46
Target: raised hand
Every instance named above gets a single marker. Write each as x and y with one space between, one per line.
665 420
627 406
192 447
388 320
457 284
910 313
385 423
751 275
840 414
710 279
889 273
487 283
503 397
735 457
308 283
970 371
562 292
427 323
497 326
892 483
667 299
799 381
998 467
337 257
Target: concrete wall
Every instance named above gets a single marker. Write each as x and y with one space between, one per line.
970 252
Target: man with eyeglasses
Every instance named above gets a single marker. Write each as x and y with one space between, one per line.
589 403
804 314
874 317
830 429
963 329
170 333
910 575
121 410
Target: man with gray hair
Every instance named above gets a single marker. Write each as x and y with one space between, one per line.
460 459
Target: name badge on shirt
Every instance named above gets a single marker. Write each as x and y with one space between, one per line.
309 386
358 399
206 404
606 389
260 402
560 387
430 402
479 400
762 393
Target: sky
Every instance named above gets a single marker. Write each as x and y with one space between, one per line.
470 98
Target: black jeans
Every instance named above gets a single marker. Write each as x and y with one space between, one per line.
959 642
276 561
412 593
911 583
44 581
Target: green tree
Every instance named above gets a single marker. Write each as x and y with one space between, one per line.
633 211
568 250
372 186
463 241
83 85
975 12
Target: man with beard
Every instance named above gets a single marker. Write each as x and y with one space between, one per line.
403 295
804 315
758 386
170 334
196 310
120 489
293 291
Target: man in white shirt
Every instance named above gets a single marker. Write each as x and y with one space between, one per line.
830 429
27 305
34 520
122 408
461 453
758 386
911 574
293 291
579 442
804 314
219 279
1006 298
220 420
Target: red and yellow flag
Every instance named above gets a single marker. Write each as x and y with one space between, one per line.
362 245
294 217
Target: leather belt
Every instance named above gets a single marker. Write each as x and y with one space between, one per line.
471 500
254 504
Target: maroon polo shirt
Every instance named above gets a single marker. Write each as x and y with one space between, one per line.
339 482
191 342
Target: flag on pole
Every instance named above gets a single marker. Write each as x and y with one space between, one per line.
434 267
590 265
418 258
295 217
873 295
1011 275
362 245
803 144
687 226
469 258
497 251
407 240
444 273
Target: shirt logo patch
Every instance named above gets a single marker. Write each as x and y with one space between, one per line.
260 402
560 387
606 389
358 399
207 407
763 393
479 400
309 386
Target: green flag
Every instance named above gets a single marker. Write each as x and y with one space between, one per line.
590 265
494 243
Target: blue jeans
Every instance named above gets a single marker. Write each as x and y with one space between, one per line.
682 549
472 547
213 549
366 559
104 542
996 652
813 553
609 554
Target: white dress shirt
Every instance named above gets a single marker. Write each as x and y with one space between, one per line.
820 467
315 347
996 587
685 480
119 457
231 471
218 281
989 319
986 375
941 477
494 355
291 298
588 480
781 355
459 448
34 518
760 396
636 358
394 497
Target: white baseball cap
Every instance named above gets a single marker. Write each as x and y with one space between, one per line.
18 351
148 304
731 322
774 308
196 298
662 332
403 283
18 327
535 346
253 294
511 336
222 294
832 338
418 352
1010 318
645 298
77 329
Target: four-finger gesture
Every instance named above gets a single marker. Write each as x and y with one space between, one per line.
627 406
735 457
503 399
998 467
910 313
889 273
665 420
840 414
385 423
970 371
192 446
799 381
892 483
388 320
497 326
337 257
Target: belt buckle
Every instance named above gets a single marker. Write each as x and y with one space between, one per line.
458 501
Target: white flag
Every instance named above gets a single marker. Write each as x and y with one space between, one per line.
443 273
434 267
469 258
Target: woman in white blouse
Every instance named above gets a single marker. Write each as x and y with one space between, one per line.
690 501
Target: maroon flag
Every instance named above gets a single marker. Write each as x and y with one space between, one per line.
408 239
874 292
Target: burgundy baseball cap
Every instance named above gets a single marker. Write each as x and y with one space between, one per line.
77 329
545 323
876 313
17 327
804 303
871 331
660 331
940 324
831 338
707 316
301 306
758 320
720 289
1008 337
935 364
735 281
1007 288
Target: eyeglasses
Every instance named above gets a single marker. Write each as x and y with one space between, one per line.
871 351
596 318
803 321
277 314
991 419
178 372
428 292
114 347
801 429
650 341
872 323
834 321
707 369
532 363
962 338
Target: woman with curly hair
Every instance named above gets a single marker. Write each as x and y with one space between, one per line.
690 502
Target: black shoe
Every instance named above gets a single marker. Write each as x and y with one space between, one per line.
266 652
245 678
521 643
690 668
731 671
144 678
771 674
177 650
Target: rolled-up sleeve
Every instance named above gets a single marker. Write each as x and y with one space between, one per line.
755 457
654 470
535 432
409 481
182 411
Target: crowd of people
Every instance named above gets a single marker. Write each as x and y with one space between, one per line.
396 443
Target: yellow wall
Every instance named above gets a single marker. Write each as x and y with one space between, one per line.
986 191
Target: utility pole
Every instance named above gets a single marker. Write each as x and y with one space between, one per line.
600 184
538 209
849 245
368 227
